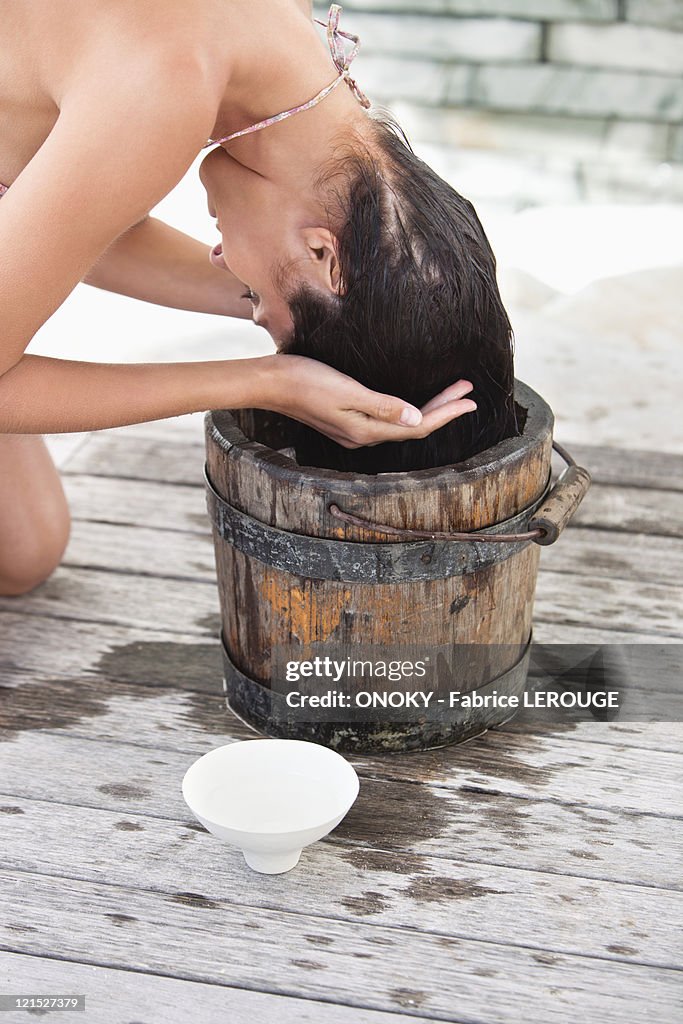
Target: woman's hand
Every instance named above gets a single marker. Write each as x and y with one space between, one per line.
351 414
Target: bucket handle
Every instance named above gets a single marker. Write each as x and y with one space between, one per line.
545 526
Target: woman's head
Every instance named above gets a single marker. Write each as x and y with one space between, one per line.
417 308
394 283
267 221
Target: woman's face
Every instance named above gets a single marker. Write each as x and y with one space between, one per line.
259 231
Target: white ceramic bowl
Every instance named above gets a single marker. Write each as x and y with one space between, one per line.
270 797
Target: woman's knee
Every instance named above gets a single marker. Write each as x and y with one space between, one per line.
35 522
25 570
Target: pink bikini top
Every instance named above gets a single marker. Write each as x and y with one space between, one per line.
341 61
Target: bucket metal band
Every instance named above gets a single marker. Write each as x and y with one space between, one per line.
357 562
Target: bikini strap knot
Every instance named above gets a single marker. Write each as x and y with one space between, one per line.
340 58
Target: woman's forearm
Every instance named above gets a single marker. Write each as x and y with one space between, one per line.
157 263
40 395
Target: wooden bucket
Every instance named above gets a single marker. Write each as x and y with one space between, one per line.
300 576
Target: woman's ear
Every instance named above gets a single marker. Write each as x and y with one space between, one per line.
321 250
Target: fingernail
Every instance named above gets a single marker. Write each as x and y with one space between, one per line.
410 417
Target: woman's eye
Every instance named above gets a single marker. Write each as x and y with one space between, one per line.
252 296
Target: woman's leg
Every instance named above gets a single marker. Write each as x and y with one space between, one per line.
34 514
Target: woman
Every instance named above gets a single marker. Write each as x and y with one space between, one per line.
104 105
368 261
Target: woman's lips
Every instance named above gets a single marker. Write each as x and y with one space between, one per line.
216 257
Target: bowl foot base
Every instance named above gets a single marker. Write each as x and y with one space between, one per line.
272 863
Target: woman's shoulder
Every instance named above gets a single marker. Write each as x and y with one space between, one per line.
156 48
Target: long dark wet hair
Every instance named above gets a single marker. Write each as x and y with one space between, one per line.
419 307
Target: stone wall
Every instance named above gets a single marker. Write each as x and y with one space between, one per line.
595 83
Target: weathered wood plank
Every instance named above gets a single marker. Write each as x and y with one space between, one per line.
124 599
531 767
631 510
54 696
631 467
561 598
167 725
447 896
43 646
375 966
74 706
471 826
584 551
137 502
624 604
120 996
141 551
590 550
139 458
552 768
509 830
600 553
181 428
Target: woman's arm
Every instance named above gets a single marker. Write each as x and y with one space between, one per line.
40 395
157 263
109 159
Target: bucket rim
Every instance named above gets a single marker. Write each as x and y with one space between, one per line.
221 427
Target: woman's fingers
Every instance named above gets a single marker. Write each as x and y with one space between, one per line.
449 394
444 407
353 415
446 412
369 432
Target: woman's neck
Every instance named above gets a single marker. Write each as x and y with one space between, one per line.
284 62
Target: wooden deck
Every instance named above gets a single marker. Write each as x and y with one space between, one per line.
528 875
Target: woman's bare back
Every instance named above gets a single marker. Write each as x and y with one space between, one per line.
47 51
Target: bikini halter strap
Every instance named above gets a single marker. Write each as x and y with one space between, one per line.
341 61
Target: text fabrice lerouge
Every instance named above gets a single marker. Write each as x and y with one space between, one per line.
425 698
